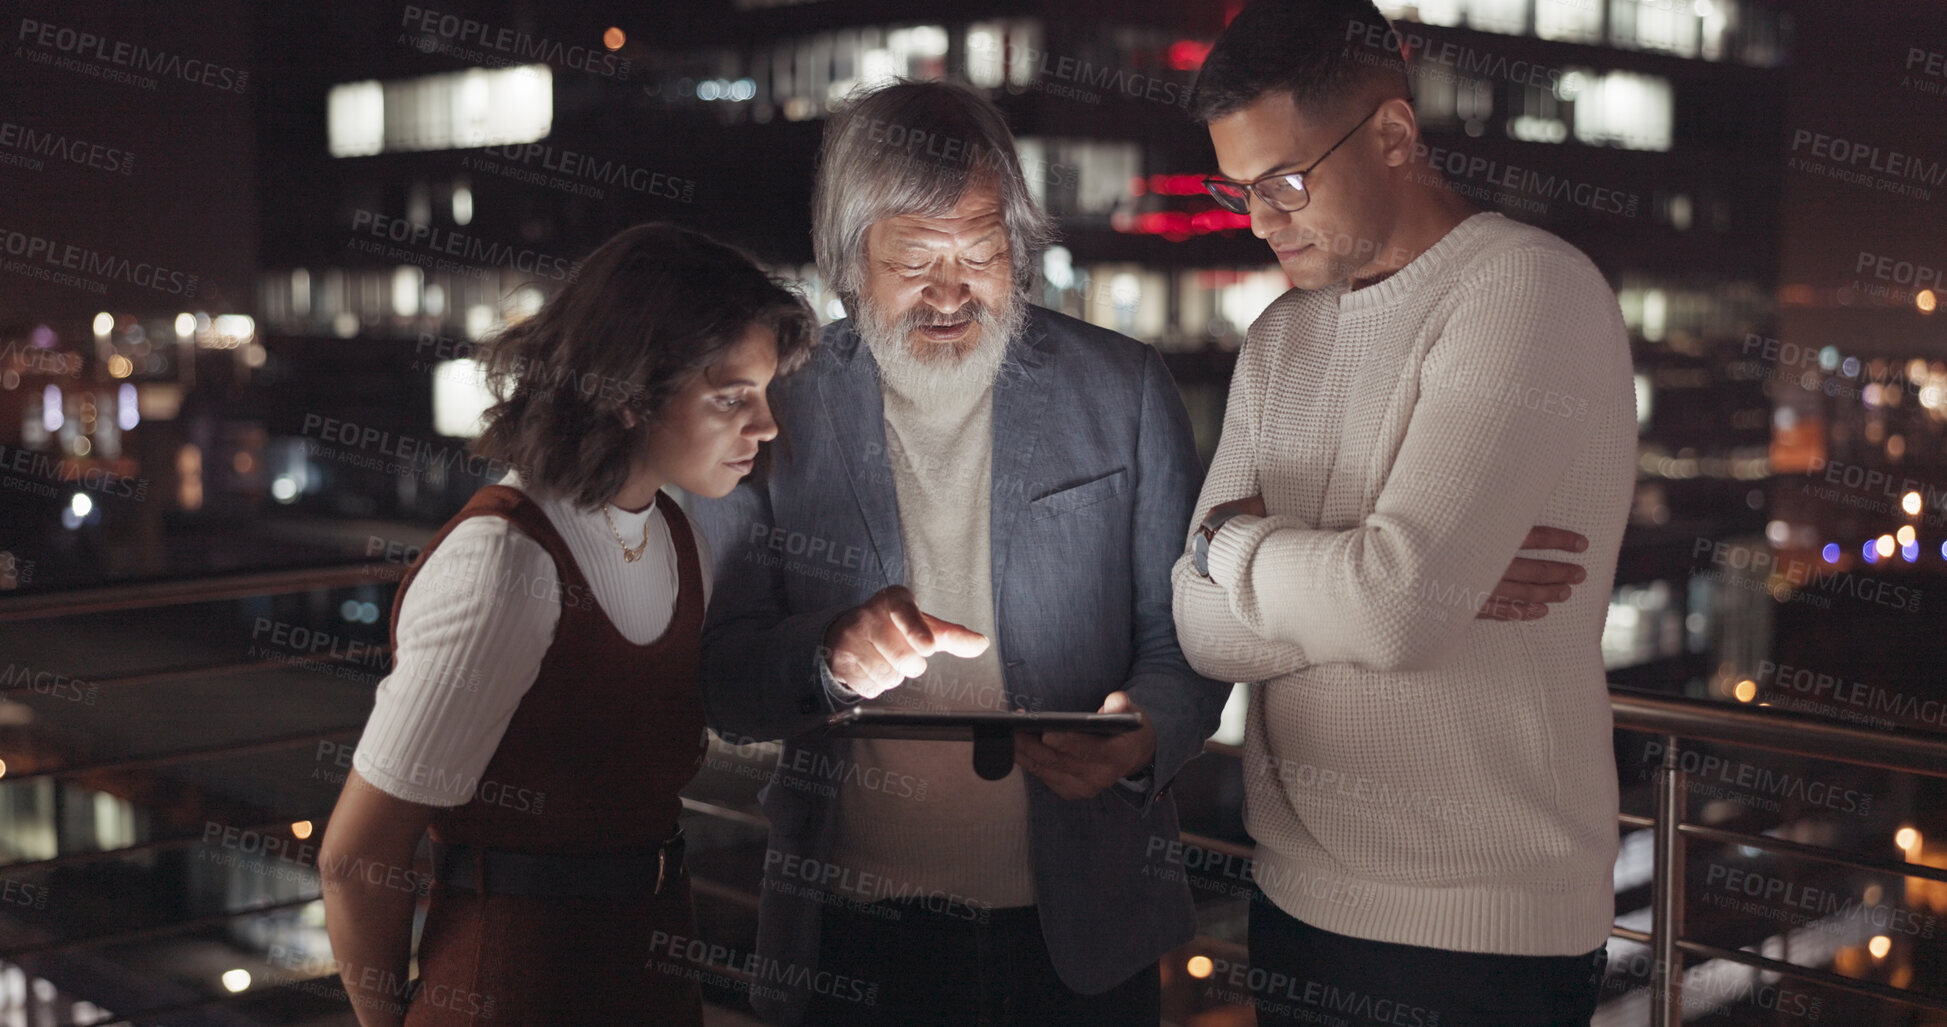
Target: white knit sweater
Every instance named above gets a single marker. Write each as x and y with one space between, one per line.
925 820
1412 774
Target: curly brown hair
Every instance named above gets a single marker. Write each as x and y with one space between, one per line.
652 308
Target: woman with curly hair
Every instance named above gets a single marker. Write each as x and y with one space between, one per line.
543 709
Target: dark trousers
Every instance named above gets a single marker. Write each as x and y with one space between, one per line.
1302 975
964 966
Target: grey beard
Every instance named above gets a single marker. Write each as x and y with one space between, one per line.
942 372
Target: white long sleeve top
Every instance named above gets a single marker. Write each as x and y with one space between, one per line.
477 620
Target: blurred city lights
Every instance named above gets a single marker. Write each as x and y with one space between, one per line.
1870 551
1911 504
1199 966
1908 839
1924 299
301 830
1884 545
614 38
1905 535
189 477
461 397
724 89
104 323
1910 552
1746 690
236 980
227 331
1830 552
1879 946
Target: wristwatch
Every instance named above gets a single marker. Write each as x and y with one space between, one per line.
1200 547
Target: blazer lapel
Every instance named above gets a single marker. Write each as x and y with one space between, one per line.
1020 397
855 424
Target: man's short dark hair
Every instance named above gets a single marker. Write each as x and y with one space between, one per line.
1326 53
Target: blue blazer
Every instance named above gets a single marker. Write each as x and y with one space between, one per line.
1095 477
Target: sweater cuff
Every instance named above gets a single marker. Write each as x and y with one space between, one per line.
1230 549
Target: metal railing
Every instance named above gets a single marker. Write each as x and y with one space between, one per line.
1673 720
154 595
1676 720
151 595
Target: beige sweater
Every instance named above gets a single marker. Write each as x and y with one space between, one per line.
932 824
1412 774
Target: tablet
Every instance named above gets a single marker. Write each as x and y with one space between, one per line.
990 731
964 725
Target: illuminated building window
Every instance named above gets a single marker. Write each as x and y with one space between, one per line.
1443 99
456 110
1715 30
1622 108
1221 304
355 119
1085 178
1718 20
1128 298
1509 17
1655 25
1537 116
1426 12
864 58
1569 21
1645 623
460 398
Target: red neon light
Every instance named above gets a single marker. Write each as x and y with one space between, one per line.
1188 54
1177 226
1218 221
1175 185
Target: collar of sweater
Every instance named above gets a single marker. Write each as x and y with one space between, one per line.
1407 280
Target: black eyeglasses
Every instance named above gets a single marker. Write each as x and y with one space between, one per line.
1283 191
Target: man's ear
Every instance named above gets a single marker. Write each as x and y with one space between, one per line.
1399 130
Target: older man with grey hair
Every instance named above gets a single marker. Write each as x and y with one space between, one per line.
975 506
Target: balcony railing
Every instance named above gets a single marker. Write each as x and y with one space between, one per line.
1675 721
1796 734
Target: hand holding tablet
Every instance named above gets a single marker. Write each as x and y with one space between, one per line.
1068 745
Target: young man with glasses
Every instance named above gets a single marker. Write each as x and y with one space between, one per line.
1433 792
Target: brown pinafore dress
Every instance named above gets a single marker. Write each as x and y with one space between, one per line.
591 764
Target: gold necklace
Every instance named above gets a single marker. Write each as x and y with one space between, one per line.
628 555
